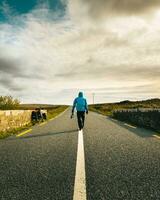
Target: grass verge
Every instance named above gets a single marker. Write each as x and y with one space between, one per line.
14 131
51 113
101 110
148 120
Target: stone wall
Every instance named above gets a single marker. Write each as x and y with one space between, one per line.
11 119
143 118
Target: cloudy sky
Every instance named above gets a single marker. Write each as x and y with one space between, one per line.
51 49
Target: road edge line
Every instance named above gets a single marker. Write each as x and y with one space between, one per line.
156 136
130 126
23 133
60 114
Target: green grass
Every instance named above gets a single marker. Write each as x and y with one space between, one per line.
145 121
101 110
109 108
51 113
14 131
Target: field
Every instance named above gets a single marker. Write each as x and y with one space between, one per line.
34 106
109 108
52 111
141 113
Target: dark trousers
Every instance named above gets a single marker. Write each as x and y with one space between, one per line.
80 118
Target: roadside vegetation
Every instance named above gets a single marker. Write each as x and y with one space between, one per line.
53 112
146 119
141 113
9 103
109 108
14 131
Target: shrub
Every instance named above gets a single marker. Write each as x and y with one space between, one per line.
8 102
148 119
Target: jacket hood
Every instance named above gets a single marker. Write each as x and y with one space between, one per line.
80 94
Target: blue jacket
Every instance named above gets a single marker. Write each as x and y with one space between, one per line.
80 103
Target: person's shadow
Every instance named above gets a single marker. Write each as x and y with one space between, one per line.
43 135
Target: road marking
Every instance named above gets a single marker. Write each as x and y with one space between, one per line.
130 126
43 123
80 177
156 136
59 114
115 120
23 133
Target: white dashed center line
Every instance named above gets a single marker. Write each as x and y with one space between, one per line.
130 126
156 136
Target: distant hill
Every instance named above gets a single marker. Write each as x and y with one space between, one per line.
34 106
143 103
108 108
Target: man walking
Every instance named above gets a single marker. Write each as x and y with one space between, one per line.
80 103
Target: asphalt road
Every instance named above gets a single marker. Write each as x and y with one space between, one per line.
121 162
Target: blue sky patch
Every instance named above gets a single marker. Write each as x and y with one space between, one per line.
19 7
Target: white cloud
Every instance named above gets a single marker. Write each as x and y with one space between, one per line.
54 54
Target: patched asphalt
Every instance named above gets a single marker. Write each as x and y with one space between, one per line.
122 163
